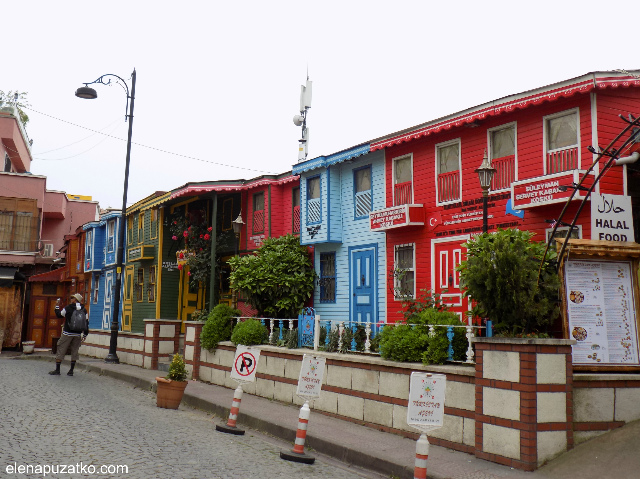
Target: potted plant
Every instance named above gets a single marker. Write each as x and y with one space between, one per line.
171 388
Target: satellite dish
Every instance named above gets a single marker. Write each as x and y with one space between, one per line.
298 120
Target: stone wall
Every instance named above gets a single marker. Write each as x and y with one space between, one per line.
521 404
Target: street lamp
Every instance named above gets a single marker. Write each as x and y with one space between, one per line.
485 173
237 228
90 94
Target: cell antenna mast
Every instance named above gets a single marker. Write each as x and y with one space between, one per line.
301 119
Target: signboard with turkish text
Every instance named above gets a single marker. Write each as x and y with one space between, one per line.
611 218
311 374
245 364
396 216
546 190
426 400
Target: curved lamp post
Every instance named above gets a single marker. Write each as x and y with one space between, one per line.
485 173
89 93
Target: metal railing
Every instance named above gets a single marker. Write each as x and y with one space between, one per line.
278 329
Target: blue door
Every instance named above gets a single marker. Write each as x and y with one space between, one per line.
363 285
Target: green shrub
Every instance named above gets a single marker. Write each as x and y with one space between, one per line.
249 332
218 326
505 274
412 343
177 369
404 342
290 337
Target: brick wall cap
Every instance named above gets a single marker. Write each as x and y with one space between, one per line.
161 320
369 359
605 377
520 341
192 322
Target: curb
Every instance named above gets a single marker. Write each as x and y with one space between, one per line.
317 444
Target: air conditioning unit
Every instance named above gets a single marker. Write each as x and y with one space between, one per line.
48 250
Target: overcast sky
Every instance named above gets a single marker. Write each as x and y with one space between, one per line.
218 82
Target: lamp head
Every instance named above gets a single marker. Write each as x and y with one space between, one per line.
237 224
485 173
86 93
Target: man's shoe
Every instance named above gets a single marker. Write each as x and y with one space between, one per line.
54 373
70 373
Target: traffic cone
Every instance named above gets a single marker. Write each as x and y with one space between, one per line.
297 453
422 453
230 427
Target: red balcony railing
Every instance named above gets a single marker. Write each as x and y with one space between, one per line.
505 172
449 186
402 194
258 221
562 160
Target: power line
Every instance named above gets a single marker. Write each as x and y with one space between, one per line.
151 147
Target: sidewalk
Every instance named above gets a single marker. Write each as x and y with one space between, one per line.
612 456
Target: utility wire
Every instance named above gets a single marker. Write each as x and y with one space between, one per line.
151 147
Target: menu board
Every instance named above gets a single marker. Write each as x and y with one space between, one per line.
601 313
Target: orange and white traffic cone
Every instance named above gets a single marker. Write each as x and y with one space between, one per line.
297 453
230 427
422 453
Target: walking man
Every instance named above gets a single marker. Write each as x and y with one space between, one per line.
72 334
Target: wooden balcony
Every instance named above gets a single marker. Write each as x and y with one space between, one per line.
402 194
505 172
449 186
562 160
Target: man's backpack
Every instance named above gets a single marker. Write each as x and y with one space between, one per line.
78 322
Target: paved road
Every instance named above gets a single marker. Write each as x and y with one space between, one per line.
96 420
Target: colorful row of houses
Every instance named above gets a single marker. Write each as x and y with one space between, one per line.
384 219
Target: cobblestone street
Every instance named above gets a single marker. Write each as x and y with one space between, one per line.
97 420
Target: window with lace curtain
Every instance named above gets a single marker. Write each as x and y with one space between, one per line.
562 141
502 152
362 188
402 180
313 200
448 170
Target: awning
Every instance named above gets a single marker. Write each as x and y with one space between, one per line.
6 277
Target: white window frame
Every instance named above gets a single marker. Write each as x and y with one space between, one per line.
444 144
545 136
393 175
96 288
513 124
111 235
395 267
88 246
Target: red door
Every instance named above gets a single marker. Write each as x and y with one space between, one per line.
446 255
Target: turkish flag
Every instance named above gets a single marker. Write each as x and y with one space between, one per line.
434 220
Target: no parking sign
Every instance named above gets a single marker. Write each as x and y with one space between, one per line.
245 364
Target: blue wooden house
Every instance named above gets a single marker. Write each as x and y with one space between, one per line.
101 244
337 192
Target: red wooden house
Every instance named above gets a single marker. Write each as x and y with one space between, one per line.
537 141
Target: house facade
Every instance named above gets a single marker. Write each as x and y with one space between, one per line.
157 281
338 192
33 225
538 141
101 245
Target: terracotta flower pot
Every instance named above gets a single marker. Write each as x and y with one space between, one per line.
169 393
